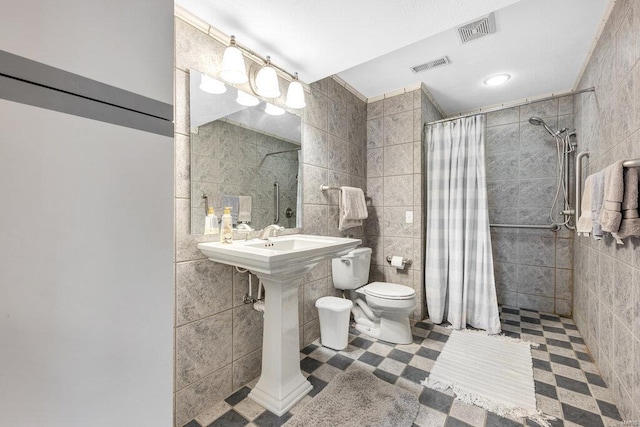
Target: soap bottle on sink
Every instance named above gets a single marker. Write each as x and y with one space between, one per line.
226 227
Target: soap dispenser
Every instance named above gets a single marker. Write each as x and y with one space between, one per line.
211 223
226 233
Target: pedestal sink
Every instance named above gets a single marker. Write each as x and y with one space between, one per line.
281 263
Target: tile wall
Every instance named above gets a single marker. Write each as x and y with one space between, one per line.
607 275
218 338
532 267
394 186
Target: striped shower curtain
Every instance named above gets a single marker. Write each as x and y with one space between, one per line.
459 279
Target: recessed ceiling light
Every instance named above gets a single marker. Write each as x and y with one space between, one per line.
497 80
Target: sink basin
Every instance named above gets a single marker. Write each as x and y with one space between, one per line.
281 264
278 254
285 245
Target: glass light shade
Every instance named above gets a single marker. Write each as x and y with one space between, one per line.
295 95
267 82
211 85
247 100
273 110
233 69
497 80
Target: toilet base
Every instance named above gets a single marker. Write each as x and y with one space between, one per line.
393 329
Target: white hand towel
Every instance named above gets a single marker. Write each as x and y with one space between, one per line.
584 225
630 224
244 209
596 204
611 214
353 207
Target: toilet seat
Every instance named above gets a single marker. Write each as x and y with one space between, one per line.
387 290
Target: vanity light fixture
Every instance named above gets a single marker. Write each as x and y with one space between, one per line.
267 81
233 69
247 100
497 80
295 94
211 85
273 110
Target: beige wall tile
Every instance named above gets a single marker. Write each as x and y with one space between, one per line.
203 288
247 330
202 347
199 396
247 368
603 271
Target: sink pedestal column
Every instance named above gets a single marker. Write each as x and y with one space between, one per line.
281 384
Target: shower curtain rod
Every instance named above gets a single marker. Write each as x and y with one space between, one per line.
504 106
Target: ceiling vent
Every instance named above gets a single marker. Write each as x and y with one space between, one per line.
431 64
478 28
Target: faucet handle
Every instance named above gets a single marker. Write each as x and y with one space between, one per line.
269 230
275 229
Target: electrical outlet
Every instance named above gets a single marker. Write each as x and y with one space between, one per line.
408 217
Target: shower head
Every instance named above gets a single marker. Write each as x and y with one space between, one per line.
537 121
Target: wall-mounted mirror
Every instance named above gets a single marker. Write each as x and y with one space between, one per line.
242 156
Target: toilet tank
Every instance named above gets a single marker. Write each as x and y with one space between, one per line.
351 271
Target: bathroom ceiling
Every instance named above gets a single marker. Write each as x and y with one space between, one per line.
372 43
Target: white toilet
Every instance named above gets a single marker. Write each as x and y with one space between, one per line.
380 309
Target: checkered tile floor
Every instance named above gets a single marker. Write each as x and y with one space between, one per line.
568 384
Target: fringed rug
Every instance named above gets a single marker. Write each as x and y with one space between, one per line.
357 398
493 372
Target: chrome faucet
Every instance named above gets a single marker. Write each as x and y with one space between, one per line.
270 231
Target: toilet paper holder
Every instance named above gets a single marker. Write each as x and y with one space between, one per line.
407 261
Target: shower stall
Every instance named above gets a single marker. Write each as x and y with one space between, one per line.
530 167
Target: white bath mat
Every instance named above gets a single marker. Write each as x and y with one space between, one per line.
490 371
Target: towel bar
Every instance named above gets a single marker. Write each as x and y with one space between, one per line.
326 187
635 163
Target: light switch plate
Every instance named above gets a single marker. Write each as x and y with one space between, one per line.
408 217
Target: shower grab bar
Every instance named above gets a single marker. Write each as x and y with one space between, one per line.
578 206
276 202
552 227
206 203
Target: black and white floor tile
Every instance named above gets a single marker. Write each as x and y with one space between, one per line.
568 384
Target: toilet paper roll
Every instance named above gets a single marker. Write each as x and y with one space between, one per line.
397 262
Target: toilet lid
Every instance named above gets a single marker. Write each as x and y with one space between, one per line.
388 290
